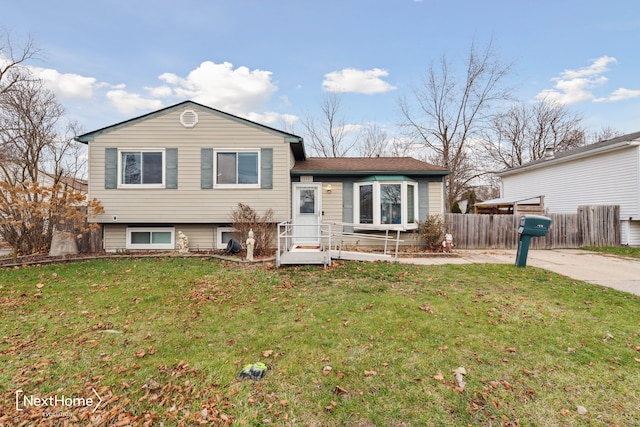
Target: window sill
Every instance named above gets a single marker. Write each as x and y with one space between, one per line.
235 186
141 186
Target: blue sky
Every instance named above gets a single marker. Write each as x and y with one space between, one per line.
272 61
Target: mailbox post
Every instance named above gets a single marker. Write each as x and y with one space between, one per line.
530 226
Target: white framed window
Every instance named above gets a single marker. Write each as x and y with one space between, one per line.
224 234
141 168
236 169
386 203
151 238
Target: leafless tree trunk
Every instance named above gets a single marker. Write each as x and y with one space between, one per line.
329 136
453 113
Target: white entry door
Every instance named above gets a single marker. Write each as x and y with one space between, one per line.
307 214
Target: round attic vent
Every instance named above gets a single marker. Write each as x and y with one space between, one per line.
189 118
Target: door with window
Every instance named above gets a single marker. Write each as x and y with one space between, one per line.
307 214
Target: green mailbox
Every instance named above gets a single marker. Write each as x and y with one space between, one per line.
530 226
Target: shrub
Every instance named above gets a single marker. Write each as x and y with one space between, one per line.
432 232
245 218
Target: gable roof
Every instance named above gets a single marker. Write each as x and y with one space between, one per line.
366 166
296 142
613 144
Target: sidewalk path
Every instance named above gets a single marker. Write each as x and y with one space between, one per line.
614 272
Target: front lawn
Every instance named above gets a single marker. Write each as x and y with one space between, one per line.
358 344
626 251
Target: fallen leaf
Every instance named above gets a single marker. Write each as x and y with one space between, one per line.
340 391
439 377
140 353
40 285
267 353
331 406
511 350
370 373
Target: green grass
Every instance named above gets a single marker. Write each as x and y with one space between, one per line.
164 339
626 251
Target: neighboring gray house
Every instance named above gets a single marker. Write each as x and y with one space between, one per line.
187 166
604 173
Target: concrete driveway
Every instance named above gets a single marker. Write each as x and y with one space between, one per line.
615 272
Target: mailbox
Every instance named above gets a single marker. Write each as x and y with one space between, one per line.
534 225
530 226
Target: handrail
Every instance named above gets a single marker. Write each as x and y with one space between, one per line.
328 231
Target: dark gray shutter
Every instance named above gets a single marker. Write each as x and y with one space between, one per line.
347 205
110 168
423 200
206 168
171 164
266 168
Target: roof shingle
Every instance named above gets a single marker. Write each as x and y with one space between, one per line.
366 165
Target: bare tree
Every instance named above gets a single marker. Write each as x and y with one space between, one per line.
12 61
329 136
525 131
603 134
374 142
453 113
29 126
36 152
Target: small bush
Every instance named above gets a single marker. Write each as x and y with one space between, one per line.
245 218
432 232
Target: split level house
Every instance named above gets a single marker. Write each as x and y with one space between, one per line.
604 173
188 166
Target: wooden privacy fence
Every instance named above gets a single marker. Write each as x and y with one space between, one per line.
590 226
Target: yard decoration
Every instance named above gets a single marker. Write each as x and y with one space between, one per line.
253 372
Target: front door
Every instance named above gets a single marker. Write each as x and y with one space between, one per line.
307 214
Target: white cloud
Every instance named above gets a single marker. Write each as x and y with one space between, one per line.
66 85
271 118
620 94
129 103
573 86
358 81
237 91
159 91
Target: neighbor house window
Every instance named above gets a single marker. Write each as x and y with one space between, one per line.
150 238
141 168
237 169
386 202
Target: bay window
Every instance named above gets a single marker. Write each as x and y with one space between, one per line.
387 202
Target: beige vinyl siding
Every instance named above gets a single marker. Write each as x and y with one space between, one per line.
332 202
189 203
201 236
114 237
436 198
